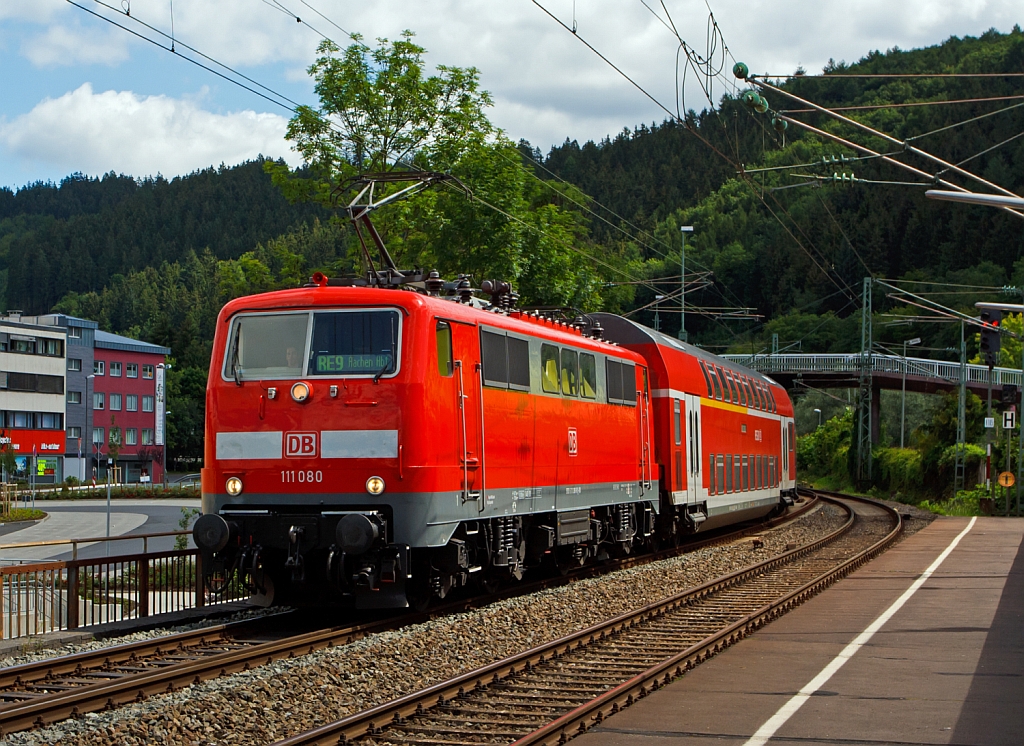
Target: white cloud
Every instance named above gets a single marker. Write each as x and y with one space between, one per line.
546 84
120 131
63 45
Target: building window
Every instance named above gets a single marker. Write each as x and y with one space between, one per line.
74 332
48 421
27 346
74 364
147 437
115 435
97 400
51 347
97 435
74 397
74 432
131 437
133 370
98 367
115 369
115 402
147 371
147 403
131 403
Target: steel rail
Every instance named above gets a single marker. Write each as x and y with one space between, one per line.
94 691
373 722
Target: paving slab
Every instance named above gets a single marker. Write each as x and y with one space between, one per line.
946 668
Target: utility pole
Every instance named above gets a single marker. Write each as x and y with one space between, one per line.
959 476
683 230
903 404
864 434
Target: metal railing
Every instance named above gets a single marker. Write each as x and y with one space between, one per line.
948 372
44 596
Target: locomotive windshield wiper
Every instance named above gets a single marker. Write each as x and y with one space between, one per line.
382 371
236 369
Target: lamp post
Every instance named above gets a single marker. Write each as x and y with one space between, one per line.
903 404
89 391
161 396
683 230
657 308
819 416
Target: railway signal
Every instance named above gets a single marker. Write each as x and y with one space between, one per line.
990 338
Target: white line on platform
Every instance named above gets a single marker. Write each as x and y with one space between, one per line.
769 729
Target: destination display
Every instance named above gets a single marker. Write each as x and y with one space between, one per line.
352 363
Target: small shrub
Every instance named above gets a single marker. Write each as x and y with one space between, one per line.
966 503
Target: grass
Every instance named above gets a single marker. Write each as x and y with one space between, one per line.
22 514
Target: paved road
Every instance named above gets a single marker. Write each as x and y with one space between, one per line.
87 518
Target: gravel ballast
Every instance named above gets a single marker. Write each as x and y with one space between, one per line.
283 698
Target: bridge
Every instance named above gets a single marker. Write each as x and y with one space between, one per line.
886 371
883 372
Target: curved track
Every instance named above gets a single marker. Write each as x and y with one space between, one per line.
44 692
551 693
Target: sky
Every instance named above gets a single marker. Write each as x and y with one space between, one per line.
79 94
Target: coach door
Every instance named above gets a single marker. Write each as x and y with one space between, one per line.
693 449
469 400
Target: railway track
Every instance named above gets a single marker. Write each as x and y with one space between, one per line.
44 692
551 693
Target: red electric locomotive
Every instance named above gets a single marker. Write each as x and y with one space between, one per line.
386 440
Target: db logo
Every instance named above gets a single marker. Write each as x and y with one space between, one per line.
573 442
300 445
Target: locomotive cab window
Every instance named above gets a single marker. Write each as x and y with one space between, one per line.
266 346
362 343
588 376
570 372
549 369
445 362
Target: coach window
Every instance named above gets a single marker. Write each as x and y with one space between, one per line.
757 394
748 393
721 475
741 384
746 473
714 380
771 398
732 385
706 379
677 419
588 376
549 368
570 372
445 362
728 473
725 385
711 474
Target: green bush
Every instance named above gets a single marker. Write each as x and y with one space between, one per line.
23 514
966 502
825 451
900 469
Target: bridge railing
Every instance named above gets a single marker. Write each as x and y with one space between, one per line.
894 364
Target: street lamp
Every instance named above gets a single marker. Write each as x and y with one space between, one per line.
683 230
819 416
657 308
162 398
903 404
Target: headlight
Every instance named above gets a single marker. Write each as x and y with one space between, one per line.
233 486
301 391
374 485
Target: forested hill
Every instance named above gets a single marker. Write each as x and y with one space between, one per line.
797 252
76 235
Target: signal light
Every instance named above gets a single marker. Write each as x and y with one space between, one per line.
990 341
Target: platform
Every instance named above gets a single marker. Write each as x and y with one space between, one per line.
946 668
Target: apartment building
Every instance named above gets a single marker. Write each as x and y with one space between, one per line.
32 398
114 390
